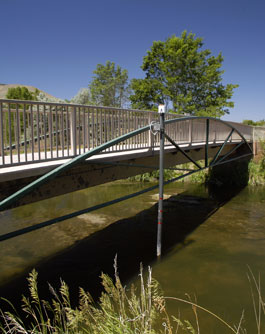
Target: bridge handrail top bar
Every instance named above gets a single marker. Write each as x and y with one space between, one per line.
180 117
187 118
77 105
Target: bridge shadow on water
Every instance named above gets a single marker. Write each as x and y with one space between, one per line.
132 239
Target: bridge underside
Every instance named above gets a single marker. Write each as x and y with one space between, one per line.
96 171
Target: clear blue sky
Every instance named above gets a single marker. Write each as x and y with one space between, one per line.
56 44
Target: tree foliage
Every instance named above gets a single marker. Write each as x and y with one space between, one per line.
82 97
253 123
21 93
109 86
185 77
42 97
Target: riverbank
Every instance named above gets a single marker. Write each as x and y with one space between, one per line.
256 173
257 168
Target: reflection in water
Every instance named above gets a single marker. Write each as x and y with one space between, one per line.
214 266
206 247
27 250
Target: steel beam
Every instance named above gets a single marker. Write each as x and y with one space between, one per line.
182 151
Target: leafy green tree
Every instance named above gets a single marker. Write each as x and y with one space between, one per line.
42 97
21 93
253 123
183 77
82 97
109 86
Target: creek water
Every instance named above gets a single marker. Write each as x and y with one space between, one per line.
209 243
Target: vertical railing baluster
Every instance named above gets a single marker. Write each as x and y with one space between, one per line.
51 131
130 127
113 127
14 128
38 131
97 135
119 127
93 128
146 133
135 127
56 132
105 127
44 131
25 133
2 150
149 140
17 131
127 128
67 126
108 138
10 133
73 130
79 131
141 124
206 141
84 129
88 129
5 124
122 128
116 126
32 132
101 128
62 130
190 132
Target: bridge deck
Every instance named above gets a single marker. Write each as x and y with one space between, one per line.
40 168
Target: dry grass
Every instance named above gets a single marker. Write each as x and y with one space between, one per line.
119 310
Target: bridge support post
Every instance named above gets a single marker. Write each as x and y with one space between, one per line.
161 110
73 131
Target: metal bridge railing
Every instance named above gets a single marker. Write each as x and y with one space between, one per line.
35 131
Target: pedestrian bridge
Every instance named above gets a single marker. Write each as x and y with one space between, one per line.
59 148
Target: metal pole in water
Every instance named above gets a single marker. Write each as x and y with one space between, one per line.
161 110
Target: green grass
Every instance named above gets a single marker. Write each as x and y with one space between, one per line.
257 168
256 172
119 310
169 174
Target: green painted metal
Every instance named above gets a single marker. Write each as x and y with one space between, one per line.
81 158
221 148
121 164
183 152
210 118
230 152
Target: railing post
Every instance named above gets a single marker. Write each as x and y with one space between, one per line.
190 131
207 141
150 137
73 130
1 132
161 110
